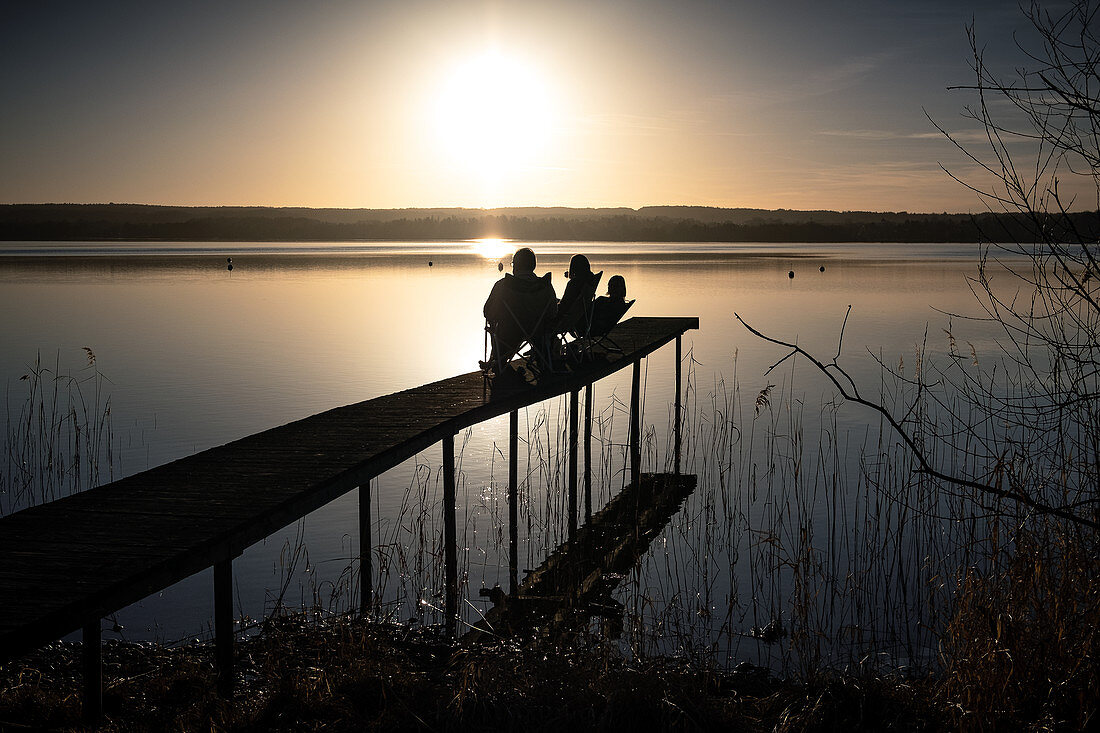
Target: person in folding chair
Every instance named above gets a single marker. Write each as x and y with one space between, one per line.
608 310
575 307
520 309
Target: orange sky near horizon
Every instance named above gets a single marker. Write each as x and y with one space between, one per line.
489 104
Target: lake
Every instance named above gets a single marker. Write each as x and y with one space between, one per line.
192 354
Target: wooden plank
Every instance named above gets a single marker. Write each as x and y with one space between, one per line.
92 662
366 575
573 411
223 626
587 453
450 538
635 423
513 500
678 410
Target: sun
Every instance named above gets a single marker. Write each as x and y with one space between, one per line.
494 114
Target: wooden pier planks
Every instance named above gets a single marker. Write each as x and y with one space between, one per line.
82 557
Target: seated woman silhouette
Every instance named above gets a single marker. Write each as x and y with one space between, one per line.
575 308
521 307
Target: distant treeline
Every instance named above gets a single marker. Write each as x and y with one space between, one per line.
652 224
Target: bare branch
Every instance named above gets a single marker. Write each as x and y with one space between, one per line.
925 464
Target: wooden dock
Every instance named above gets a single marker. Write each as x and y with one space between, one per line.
72 561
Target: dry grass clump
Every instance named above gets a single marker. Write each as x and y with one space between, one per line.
349 675
1022 649
861 704
146 688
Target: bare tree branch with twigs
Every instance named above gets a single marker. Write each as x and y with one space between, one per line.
1022 425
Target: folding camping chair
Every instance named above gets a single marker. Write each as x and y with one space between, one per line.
507 338
576 320
606 313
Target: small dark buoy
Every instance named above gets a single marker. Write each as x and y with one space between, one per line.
791 274
229 267
429 263
229 260
500 267
822 268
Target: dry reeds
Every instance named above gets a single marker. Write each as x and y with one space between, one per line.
345 674
1023 643
58 438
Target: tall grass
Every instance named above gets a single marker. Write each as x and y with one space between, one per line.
809 546
58 438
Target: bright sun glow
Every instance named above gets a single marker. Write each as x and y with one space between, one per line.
494 114
492 249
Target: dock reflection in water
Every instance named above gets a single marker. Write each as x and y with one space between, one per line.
574 585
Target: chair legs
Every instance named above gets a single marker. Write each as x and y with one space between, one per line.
543 355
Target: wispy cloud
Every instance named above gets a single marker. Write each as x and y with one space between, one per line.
832 78
674 122
896 185
962 136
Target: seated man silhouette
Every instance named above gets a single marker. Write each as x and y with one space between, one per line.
521 307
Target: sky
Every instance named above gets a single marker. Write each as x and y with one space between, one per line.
797 105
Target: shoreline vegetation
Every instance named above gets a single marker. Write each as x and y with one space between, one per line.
316 672
69 222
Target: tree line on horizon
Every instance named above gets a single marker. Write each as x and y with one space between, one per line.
63 222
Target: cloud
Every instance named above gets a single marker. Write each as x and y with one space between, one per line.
684 121
962 136
887 185
633 122
828 79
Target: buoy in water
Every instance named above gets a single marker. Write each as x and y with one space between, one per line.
500 267
791 274
822 268
429 263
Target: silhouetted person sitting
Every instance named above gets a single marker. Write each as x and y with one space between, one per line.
521 307
575 308
608 309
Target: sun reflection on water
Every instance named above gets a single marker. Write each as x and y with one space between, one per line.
492 248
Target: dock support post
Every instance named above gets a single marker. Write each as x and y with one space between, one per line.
223 625
513 496
93 673
450 551
678 412
574 397
588 453
366 569
636 424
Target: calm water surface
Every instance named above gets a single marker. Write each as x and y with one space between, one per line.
198 355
